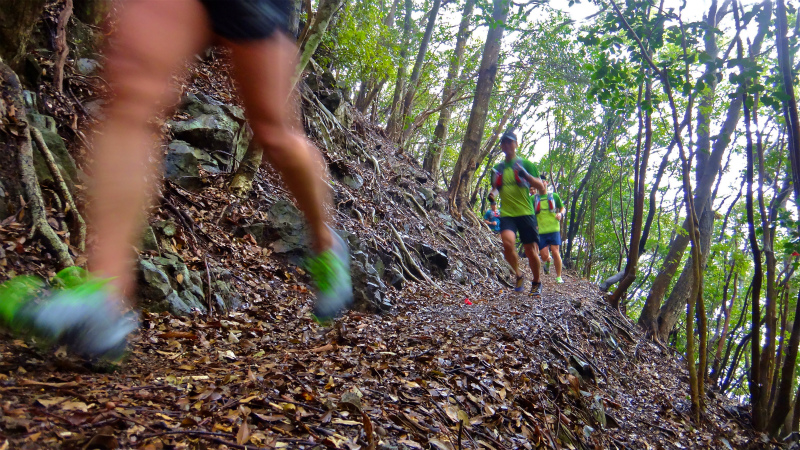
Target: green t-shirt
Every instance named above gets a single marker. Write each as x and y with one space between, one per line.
515 199
546 218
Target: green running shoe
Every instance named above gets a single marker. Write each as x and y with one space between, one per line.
559 280
330 271
84 315
546 267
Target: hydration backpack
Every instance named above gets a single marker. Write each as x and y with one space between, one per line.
537 202
519 174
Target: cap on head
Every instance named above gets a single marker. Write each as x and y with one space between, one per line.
508 136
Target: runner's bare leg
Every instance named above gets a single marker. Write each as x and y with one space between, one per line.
264 70
509 251
556 250
153 39
532 252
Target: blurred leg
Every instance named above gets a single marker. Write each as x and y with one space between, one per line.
264 70
556 258
544 254
509 239
153 38
533 259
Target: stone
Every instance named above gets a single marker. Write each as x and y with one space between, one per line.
436 261
428 197
181 166
43 122
87 66
156 285
290 225
214 127
64 161
31 100
149 241
167 284
96 109
354 181
175 305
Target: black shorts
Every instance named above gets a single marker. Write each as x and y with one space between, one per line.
248 20
527 227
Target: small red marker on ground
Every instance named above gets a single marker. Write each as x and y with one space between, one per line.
467 302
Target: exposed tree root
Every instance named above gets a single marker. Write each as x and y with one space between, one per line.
71 208
20 130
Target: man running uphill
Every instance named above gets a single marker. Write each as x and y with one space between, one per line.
513 179
153 41
549 212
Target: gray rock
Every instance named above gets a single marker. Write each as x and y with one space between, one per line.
214 127
87 66
149 240
428 197
64 161
192 301
155 284
368 288
31 100
96 109
290 225
181 166
43 122
174 304
354 181
436 261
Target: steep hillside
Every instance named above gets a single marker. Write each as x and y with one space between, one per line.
245 367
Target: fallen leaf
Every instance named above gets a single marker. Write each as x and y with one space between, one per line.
243 436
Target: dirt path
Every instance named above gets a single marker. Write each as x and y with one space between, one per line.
267 377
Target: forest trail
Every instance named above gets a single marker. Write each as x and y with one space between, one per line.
560 371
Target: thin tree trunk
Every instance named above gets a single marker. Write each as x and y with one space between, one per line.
415 72
640 180
312 39
433 157
395 112
458 192
62 47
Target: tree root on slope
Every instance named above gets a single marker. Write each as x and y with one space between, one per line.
20 130
72 208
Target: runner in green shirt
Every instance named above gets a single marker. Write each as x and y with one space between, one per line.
513 179
549 212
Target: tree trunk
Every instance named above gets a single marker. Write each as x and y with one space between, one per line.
598 154
670 312
17 19
707 168
640 180
405 112
295 10
458 192
433 157
392 124
62 47
325 12
785 63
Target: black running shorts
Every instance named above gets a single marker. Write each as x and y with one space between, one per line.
248 20
527 227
